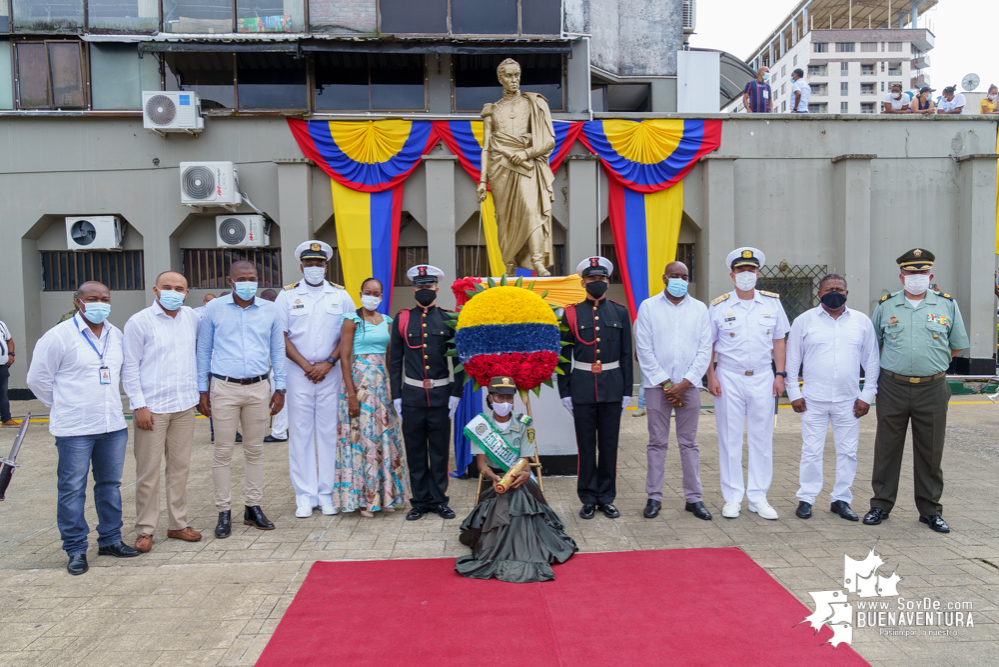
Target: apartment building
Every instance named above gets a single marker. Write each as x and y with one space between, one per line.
851 54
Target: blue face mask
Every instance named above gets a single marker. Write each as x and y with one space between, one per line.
766 77
676 287
171 300
246 290
97 311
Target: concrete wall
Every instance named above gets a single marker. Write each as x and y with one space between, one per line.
848 193
629 37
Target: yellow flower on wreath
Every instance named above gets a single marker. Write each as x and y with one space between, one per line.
506 305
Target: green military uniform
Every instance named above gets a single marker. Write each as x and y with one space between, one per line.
916 344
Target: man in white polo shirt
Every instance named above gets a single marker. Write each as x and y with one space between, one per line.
833 341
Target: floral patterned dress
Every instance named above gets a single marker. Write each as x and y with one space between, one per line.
370 469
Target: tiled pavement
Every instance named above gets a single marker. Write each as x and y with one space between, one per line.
217 602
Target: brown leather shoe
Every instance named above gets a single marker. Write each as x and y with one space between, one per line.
11 422
144 542
187 534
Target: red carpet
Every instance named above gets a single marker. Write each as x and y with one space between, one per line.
632 608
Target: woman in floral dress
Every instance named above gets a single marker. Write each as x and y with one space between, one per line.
370 471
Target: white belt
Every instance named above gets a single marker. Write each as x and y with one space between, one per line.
743 371
427 384
595 368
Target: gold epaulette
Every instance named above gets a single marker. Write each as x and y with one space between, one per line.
718 300
291 286
945 295
773 294
885 298
337 286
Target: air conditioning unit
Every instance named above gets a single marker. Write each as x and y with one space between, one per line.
209 184
95 232
689 15
242 231
171 111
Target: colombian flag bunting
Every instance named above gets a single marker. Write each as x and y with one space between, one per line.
645 163
367 162
464 139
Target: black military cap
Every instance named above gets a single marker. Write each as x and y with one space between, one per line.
502 385
916 259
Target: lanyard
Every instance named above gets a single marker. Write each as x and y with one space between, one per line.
100 355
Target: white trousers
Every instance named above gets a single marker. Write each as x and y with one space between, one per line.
312 413
815 422
745 400
279 422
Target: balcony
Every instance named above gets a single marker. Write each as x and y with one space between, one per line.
920 78
894 72
921 60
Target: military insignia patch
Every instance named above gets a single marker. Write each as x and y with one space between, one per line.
937 319
315 247
747 254
481 429
893 320
917 253
718 300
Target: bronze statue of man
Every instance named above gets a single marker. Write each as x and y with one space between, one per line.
517 140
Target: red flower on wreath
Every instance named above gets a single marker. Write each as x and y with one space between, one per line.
527 369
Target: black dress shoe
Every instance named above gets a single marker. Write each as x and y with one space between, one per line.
445 512
699 510
842 508
588 510
224 527
254 516
271 438
415 513
652 508
804 510
610 511
935 522
120 550
875 516
77 564
239 437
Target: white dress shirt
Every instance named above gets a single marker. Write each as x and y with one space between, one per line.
4 337
673 341
313 318
833 351
743 330
160 371
65 375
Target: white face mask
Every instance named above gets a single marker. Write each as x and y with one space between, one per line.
745 280
502 409
314 275
897 96
917 283
370 302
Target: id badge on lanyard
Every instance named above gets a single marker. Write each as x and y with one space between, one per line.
105 375
104 372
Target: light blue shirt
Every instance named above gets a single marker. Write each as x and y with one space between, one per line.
240 342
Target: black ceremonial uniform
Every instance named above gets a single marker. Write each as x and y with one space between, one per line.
602 334
425 388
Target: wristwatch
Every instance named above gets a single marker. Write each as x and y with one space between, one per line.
281 391
331 360
783 374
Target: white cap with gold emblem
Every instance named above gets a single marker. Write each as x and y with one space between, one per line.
314 250
745 256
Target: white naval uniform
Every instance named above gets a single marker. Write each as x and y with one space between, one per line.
743 332
279 422
312 321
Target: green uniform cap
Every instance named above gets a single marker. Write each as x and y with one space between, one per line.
917 259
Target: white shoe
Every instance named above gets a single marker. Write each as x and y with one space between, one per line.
640 413
731 510
303 512
764 510
329 509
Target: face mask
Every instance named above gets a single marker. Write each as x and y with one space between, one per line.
502 409
97 311
991 97
833 300
171 299
425 297
596 289
245 290
897 96
370 302
766 77
314 275
745 280
676 287
917 283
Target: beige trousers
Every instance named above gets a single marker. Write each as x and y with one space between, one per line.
234 405
172 434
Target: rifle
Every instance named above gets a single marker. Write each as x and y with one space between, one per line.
8 464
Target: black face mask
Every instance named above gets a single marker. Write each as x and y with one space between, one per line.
425 297
596 289
833 300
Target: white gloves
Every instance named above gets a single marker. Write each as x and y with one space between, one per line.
452 406
567 404
625 402
397 404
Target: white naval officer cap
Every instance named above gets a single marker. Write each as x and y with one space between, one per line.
745 256
593 266
424 274
314 250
